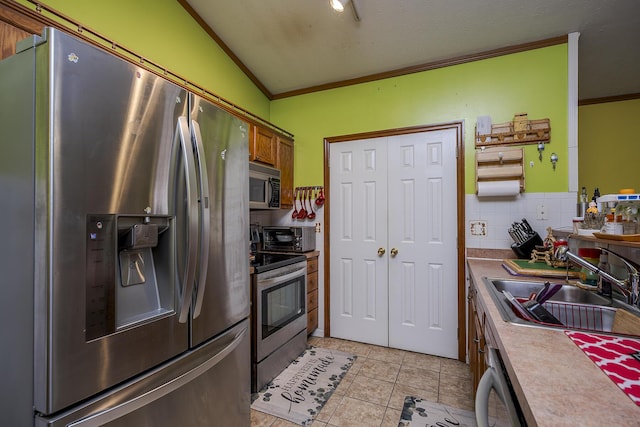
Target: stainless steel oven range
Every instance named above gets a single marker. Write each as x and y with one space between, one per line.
278 314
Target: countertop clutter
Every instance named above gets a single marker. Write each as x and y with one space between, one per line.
555 382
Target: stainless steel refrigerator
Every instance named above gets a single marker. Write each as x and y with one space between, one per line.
124 254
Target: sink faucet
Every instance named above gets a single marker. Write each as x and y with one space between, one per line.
629 287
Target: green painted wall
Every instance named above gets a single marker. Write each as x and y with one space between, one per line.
163 32
609 146
534 82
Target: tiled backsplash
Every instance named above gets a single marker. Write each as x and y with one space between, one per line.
488 219
496 213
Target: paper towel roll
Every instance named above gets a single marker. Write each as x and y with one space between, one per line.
498 188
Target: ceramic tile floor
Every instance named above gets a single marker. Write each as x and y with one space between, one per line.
373 391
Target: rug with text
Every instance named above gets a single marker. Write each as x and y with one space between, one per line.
423 413
301 390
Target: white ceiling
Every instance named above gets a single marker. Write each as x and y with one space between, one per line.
296 44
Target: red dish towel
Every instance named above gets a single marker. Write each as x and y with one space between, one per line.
618 357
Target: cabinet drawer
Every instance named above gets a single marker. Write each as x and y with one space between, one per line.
312 265
312 300
312 282
312 320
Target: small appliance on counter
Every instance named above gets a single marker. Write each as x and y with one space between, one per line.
289 239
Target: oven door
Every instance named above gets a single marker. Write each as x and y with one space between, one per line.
281 298
496 404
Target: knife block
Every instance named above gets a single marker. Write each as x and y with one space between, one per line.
523 250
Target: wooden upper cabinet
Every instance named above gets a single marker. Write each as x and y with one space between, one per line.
285 164
276 150
263 146
10 34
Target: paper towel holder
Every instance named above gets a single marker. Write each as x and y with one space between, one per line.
502 166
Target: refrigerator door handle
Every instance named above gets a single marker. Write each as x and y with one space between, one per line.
119 411
182 133
204 215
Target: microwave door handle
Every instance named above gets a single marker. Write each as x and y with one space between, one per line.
182 134
269 196
205 216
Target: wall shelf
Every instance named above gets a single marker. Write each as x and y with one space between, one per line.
500 164
516 133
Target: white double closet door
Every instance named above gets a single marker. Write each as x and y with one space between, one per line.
393 242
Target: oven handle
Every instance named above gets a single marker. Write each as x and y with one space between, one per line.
493 378
264 283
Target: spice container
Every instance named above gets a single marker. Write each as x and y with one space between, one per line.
577 224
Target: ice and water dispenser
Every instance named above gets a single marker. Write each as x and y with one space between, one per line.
130 275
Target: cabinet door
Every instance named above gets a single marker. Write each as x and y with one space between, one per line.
263 146
285 164
312 294
10 35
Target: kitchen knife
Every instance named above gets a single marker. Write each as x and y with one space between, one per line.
517 306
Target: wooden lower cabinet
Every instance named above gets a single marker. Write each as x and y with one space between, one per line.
312 294
476 338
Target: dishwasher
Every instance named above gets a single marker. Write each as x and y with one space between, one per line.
495 380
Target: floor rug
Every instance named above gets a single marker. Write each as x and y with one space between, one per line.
301 390
422 413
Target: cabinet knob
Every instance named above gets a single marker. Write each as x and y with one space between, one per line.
394 252
381 251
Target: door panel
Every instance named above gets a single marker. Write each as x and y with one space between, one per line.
423 228
225 139
404 195
359 303
104 146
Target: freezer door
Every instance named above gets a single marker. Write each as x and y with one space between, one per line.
222 286
107 288
209 386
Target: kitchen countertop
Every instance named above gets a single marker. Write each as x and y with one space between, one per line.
555 382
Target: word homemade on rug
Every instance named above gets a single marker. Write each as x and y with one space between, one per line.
301 390
421 413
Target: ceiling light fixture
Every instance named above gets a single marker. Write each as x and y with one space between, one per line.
339 5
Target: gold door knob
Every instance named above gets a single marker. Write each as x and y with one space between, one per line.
381 251
394 252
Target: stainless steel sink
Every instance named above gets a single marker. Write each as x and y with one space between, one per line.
576 308
568 293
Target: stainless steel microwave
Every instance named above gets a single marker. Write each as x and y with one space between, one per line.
264 187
